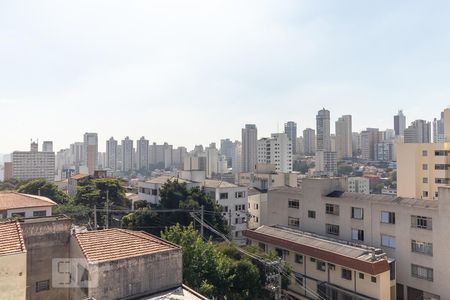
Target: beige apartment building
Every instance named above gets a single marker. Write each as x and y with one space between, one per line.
324 268
414 232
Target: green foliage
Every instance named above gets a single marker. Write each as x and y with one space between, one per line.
139 219
301 166
79 214
9 184
94 192
44 188
140 204
345 170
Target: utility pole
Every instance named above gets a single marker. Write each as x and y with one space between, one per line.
95 217
229 224
107 209
201 227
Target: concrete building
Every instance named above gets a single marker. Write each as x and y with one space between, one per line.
90 150
369 138
323 130
358 185
178 156
150 190
266 177
438 129
384 151
142 160
326 163
356 144
290 129
13 262
47 146
249 147
237 159
309 141
276 150
227 149
111 154
74 182
127 155
234 200
33 164
257 208
17 205
77 154
212 160
412 231
327 267
344 146
7 170
418 132
399 123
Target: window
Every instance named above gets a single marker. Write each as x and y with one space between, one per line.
373 279
225 208
332 209
357 234
388 217
388 241
239 194
311 214
39 213
422 247
332 229
424 153
42 286
442 180
294 203
18 215
421 222
320 265
422 272
425 194
392 270
441 153
361 275
282 253
154 192
293 222
425 180
312 259
298 258
346 274
223 196
424 167
299 279
441 166
357 213
255 205
262 246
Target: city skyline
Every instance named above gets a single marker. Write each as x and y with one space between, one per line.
173 72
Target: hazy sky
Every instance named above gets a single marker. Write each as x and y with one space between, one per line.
190 72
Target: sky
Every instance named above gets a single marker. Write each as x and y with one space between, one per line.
194 72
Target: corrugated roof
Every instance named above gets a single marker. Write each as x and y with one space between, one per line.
12 200
11 240
116 244
208 183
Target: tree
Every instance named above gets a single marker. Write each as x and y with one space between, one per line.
96 191
44 188
79 214
9 184
345 170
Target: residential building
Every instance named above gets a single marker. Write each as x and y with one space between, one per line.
90 150
18 205
234 200
237 158
111 154
323 130
13 262
309 141
358 185
290 129
356 144
178 156
412 231
142 154
127 155
227 149
266 177
33 164
418 132
369 138
47 146
326 163
384 151
257 208
438 129
74 182
276 150
77 154
7 170
249 147
150 190
212 160
344 147
300 144
399 123
328 268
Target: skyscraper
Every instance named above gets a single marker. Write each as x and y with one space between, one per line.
369 138
344 137
438 129
111 154
90 147
418 132
249 147
47 146
127 154
276 150
309 141
323 130
33 164
227 149
399 123
290 129
142 160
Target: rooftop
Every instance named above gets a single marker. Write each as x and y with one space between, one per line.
12 200
286 189
181 293
11 240
163 179
338 252
79 176
378 198
208 183
116 244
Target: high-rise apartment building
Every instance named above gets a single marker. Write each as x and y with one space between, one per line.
384 151
276 150
344 147
290 129
111 154
90 149
237 158
127 154
227 149
212 160
438 129
47 146
309 141
249 147
356 144
369 138
33 164
142 161
326 163
77 153
418 132
399 123
323 130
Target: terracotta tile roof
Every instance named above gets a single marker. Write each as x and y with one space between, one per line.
12 200
11 240
116 244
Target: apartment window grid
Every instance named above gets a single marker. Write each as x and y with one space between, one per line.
239 194
299 258
346 274
425 180
422 247
388 217
293 222
357 213
294 203
422 272
424 153
357 234
422 222
424 167
223 196
332 209
43 285
320 265
388 241
311 214
332 229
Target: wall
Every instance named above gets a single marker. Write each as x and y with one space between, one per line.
13 276
29 211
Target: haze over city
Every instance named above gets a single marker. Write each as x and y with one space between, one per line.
194 72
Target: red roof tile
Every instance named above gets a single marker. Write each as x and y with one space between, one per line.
11 240
12 200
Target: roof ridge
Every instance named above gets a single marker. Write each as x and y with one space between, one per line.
22 241
146 236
